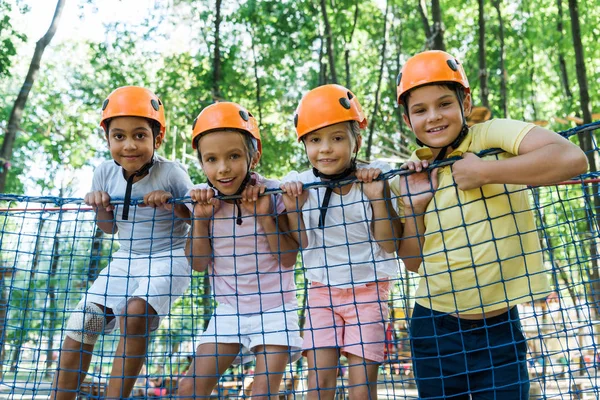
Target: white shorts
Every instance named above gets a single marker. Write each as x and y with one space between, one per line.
159 279
276 327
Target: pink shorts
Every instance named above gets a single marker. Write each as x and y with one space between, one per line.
350 319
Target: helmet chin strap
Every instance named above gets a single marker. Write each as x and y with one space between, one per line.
141 172
348 171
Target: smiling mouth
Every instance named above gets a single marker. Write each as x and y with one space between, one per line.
437 129
227 180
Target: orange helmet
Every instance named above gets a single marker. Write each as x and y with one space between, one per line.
133 101
433 66
225 115
327 105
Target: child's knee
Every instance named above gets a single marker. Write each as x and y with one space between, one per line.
185 387
322 378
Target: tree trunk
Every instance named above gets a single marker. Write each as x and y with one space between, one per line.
381 67
16 114
206 298
24 316
96 255
585 141
329 40
438 26
347 47
257 81
483 73
216 90
503 73
564 76
423 13
532 87
4 272
322 65
51 320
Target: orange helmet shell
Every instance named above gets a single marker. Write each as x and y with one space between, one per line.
225 115
327 105
133 101
433 66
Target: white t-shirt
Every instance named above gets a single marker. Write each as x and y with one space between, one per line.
345 252
148 230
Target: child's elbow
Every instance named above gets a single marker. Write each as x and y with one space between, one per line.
199 265
581 163
288 259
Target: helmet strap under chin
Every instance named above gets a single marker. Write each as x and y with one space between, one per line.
331 177
127 199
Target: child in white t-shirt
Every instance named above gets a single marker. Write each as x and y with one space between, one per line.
347 235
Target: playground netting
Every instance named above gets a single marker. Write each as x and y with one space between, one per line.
51 251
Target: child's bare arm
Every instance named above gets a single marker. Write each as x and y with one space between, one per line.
386 226
294 198
105 218
544 158
199 248
416 190
281 243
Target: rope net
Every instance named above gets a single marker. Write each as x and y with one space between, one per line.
52 252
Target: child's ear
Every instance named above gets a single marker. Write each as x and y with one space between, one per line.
255 160
358 143
467 105
406 120
157 141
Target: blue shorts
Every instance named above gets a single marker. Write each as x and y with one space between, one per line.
456 357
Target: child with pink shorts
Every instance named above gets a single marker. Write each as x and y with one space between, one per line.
347 236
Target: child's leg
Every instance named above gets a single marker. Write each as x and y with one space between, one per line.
84 326
270 366
210 362
75 358
322 373
131 351
362 378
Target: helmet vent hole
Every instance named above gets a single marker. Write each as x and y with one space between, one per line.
398 79
345 103
194 123
350 96
244 115
296 120
452 64
160 102
105 104
154 104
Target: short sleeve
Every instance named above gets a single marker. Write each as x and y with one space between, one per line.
179 181
97 180
292 176
382 165
506 134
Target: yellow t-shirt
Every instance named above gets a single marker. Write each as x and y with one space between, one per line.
481 251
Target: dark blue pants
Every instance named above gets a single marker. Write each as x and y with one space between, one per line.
456 357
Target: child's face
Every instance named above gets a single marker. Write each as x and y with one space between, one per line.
330 149
131 143
225 159
435 115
